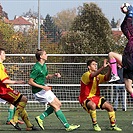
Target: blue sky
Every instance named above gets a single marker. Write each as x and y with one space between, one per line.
111 8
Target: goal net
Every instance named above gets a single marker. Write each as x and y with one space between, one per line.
65 88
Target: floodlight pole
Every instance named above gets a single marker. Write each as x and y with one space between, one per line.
38 24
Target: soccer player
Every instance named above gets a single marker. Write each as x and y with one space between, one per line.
90 98
125 60
11 111
12 96
43 93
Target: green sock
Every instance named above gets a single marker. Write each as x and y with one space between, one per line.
62 118
14 109
10 114
46 113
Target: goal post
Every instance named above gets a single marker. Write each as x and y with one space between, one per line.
65 88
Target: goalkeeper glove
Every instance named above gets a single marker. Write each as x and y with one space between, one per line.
130 11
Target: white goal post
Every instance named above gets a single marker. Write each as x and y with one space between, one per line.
67 88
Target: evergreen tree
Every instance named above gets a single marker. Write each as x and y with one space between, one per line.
52 31
113 23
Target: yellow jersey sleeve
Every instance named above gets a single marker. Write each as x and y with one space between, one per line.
85 78
101 78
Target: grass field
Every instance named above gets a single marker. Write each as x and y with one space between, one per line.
53 125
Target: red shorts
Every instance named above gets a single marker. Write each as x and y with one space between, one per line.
95 99
11 96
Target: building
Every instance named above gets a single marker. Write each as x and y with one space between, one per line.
20 24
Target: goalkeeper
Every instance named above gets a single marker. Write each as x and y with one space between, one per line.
43 93
125 60
90 98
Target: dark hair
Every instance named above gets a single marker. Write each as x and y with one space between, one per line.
38 54
89 62
2 49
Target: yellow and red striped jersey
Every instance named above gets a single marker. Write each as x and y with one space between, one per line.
89 86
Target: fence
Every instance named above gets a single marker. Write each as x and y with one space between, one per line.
65 88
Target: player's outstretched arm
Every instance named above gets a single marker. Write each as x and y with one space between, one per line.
105 64
8 81
130 11
50 76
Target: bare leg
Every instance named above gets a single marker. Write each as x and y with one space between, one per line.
114 58
117 56
128 86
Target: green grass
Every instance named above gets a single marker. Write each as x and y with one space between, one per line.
53 125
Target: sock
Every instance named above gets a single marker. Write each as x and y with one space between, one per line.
132 95
113 65
10 114
18 112
46 113
112 118
14 109
93 116
25 118
62 118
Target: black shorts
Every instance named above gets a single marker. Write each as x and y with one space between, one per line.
127 61
127 64
127 74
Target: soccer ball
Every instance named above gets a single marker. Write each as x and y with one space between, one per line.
124 7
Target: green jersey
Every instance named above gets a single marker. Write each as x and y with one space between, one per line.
38 73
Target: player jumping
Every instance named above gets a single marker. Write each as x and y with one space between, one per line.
125 60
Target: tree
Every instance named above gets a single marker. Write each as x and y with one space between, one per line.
52 31
6 35
113 23
31 14
65 18
90 32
